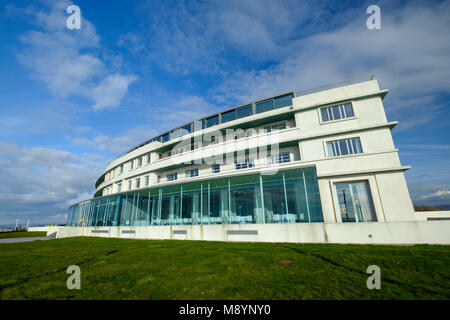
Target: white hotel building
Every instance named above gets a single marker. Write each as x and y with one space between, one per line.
317 167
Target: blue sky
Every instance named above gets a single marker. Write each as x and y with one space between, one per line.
70 100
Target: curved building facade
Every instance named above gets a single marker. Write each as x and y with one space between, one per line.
321 157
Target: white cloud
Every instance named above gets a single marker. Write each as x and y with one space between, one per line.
403 56
429 193
36 182
132 42
69 61
119 142
173 111
183 109
110 92
441 194
186 38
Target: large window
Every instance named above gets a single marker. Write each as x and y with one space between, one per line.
283 101
165 138
274 103
289 196
198 125
264 106
228 116
212 121
344 147
185 130
355 202
138 182
175 133
181 131
243 203
337 112
244 111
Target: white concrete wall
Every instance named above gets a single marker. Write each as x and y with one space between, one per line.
393 192
49 230
418 232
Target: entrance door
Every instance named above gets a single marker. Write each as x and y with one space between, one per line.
355 202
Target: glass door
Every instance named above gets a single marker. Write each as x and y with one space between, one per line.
355 202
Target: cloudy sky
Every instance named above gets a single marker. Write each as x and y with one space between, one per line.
71 100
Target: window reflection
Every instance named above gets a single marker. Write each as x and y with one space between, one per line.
290 196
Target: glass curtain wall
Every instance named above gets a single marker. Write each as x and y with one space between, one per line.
290 196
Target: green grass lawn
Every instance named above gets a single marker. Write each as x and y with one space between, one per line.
150 269
22 234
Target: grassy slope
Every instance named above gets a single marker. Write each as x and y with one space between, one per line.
22 234
139 269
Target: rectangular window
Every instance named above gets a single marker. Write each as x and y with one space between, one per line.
119 187
324 113
192 173
139 161
185 130
212 121
248 163
264 106
165 138
283 101
355 202
348 108
228 116
172 176
147 180
148 159
279 158
344 147
244 111
198 125
129 185
175 133
216 168
121 168
138 182
337 112
131 164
